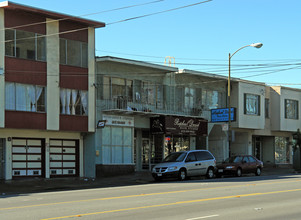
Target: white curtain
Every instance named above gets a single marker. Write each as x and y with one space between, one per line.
39 91
21 97
31 102
74 96
63 100
84 99
10 96
68 96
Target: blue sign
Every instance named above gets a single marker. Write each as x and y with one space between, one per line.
222 115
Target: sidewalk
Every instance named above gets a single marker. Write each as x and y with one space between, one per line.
21 186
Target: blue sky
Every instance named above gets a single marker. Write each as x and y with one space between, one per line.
200 37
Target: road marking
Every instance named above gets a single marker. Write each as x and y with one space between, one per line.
203 217
174 203
147 194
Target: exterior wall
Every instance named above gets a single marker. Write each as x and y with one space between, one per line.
53 79
2 80
277 110
250 121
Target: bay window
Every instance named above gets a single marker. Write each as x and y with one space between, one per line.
251 104
291 109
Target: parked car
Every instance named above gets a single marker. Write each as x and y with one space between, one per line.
186 164
240 164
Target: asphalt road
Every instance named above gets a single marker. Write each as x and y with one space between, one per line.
264 197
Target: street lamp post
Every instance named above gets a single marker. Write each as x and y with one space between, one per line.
256 45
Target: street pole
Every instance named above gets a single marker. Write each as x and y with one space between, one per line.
256 45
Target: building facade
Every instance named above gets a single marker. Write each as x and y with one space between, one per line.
47 91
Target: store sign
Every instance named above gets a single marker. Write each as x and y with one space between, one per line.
116 120
101 123
179 125
222 115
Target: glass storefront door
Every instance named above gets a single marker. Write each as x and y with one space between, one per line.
145 153
176 144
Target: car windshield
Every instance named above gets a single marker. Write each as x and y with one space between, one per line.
236 159
175 157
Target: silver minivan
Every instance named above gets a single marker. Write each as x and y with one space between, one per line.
186 164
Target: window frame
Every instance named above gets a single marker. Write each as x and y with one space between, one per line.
257 104
296 109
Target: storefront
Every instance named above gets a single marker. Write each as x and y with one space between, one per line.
175 133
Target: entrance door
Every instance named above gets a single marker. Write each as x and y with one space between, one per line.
64 158
2 142
28 157
145 153
257 148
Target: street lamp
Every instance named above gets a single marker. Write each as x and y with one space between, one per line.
256 45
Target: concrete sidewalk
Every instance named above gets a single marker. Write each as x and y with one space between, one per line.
21 186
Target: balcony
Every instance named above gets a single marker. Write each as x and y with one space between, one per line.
121 105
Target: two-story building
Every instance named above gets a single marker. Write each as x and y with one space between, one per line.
47 91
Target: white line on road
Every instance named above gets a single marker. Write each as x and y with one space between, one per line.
203 217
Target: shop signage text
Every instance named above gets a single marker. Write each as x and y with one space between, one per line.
222 115
116 120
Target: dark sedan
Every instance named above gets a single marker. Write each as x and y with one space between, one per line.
240 164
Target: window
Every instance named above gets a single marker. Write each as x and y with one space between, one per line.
252 104
23 97
189 97
203 155
117 145
267 108
117 88
291 109
212 99
73 53
73 102
191 157
26 45
252 160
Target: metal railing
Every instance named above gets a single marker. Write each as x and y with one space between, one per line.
159 108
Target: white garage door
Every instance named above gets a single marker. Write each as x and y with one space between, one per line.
64 158
27 157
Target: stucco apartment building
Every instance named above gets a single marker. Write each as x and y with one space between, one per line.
47 91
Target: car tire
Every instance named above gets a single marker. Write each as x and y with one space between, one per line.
258 171
210 173
238 172
182 174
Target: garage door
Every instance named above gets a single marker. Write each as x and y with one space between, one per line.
64 158
28 157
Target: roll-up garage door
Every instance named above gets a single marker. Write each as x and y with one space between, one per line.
28 157
64 158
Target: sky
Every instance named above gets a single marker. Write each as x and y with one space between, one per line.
199 36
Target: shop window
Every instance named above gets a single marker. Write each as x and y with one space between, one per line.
251 104
74 102
291 109
117 145
23 97
74 53
25 45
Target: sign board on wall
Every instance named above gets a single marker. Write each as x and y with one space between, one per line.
117 120
222 115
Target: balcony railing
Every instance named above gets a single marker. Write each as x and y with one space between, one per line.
158 108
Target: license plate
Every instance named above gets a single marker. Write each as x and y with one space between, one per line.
159 174
220 170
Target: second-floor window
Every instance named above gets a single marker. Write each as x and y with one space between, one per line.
114 88
189 97
251 104
211 99
291 109
73 102
24 97
267 108
26 45
73 53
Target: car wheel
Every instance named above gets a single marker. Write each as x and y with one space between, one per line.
238 172
258 171
210 173
182 174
